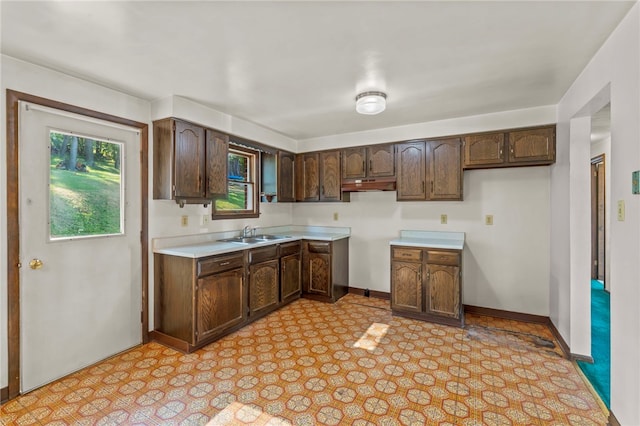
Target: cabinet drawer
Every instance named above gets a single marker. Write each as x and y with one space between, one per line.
443 257
264 253
220 263
319 247
407 254
287 249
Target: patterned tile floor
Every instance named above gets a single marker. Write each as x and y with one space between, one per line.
316 363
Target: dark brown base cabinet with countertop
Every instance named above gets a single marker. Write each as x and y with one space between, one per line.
426 284
199 300
325 269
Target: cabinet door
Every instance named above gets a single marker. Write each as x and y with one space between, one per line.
219 303
354 163
445 169
290 276
381 161
285 177
443 290
532 146
410 164
263 286
330 176
484 150
217 160
317 268
311 172
406 286
189 154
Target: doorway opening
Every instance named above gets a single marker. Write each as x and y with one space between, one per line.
599 371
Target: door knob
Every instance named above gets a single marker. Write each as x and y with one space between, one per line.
35 264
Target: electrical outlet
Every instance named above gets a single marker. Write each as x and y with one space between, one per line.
205 219
488 219
335 216
184 220
443 219
621 210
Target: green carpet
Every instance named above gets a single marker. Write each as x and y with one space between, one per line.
599 373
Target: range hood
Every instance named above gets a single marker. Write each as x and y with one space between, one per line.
370 184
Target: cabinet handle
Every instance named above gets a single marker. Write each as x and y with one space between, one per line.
422 186
370 165
362 166
500 151
322 189
224 263
431 186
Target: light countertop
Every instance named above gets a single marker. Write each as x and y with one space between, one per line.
202 245
430 239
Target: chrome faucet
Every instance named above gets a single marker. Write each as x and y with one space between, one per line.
246 231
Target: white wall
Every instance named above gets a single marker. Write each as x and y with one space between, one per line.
506 266
615 65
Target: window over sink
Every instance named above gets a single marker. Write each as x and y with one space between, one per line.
242 200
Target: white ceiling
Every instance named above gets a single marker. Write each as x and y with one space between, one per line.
296 67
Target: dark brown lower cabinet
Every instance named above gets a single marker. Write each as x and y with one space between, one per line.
198 300
290 285
325 269
426 284
264 280
219 303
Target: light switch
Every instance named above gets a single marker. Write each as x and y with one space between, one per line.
488 219
184 220
443 219
335 216
620 210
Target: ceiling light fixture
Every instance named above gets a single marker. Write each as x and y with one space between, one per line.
371 103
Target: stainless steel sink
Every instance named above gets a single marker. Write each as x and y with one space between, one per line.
268 237
242 240
252 240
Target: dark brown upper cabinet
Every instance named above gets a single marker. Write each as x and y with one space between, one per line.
330 176
189 162
285 177
411 171
514 148
484 150
429 170
318 176
368 162
532 146
307 172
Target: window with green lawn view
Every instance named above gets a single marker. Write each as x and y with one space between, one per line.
85 187
241 201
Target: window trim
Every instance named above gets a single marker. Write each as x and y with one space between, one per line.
254 180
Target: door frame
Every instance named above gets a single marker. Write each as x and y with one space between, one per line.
598 162
13 222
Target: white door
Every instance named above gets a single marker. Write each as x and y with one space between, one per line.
80 223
